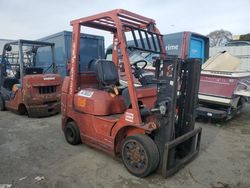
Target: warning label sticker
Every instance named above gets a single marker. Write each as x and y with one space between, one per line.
86 93
129 117
49 78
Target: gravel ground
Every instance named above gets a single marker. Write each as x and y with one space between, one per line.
34 153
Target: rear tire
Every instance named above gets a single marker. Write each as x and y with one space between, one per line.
2 104
140 155
72 133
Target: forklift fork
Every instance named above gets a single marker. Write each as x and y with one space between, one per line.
177 139
195 136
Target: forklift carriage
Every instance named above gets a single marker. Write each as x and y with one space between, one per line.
151 126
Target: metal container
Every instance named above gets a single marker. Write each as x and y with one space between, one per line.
91 47
187 45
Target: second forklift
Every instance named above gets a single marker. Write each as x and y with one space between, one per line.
25 86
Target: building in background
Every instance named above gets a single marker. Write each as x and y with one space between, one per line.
240 51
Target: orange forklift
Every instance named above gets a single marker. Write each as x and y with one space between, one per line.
25 87
151 127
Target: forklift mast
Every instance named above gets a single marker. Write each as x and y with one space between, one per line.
177 95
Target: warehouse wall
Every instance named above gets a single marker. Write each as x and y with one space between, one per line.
242 52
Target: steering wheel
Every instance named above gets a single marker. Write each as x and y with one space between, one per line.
139 61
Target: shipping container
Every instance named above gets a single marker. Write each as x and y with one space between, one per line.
182 44
91 47
187 45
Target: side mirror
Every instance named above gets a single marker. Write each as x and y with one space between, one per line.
7 47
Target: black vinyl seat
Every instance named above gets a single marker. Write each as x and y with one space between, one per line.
8 83
106 73
33 70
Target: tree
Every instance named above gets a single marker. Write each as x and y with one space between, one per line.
245 37
219 37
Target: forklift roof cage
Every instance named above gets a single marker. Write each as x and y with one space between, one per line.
28 43
111 20
118 22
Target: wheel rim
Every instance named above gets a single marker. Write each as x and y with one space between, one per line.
135 157
70 135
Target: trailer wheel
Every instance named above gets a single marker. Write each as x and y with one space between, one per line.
140 155
72 133
2 104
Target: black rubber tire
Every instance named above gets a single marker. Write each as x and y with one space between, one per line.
2 104
72 133
150 150
22 110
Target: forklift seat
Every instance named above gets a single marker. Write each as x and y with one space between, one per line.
106 72
33 70
9 82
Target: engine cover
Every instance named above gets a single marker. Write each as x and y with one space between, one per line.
98 102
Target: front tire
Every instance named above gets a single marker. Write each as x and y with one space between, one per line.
22 110
72 133
140 155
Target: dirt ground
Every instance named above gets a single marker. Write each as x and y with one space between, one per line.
35 148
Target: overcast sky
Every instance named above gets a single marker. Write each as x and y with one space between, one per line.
33 19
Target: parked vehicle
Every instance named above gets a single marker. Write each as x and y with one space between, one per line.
25 87
222 93
147 126
224 89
